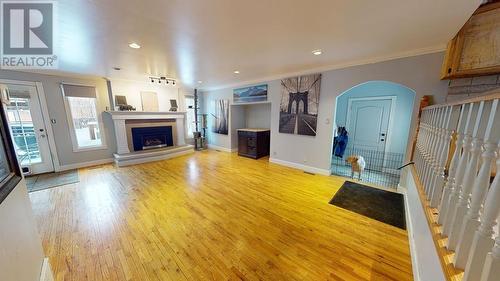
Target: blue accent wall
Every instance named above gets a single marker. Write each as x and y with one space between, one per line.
405 98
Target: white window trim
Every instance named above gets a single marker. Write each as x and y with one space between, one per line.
72 131
186 125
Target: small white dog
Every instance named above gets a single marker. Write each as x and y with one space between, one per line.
358 164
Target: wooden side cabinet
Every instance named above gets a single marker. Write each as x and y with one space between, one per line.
253 143
474 51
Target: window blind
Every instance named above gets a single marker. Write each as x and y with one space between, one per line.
79 91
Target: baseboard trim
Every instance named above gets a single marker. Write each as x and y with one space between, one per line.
411 240
46 272
306 168
220 148
84 164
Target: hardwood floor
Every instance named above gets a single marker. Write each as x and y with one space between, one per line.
212 216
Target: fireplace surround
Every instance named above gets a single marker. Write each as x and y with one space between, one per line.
148 136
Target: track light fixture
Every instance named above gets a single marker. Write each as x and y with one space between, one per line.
162 79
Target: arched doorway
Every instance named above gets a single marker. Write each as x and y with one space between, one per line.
377 118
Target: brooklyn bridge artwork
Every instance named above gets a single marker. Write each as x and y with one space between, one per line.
299 105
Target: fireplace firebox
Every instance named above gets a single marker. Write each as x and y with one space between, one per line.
152 137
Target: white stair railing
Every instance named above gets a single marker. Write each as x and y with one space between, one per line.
468 203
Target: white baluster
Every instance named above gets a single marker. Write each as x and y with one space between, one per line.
448 188
483 240
425 144
462 163
481 184
431 150
425 148
435 152
437 190
469 177
491 269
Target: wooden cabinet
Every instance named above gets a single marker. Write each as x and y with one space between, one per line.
475 50
253 143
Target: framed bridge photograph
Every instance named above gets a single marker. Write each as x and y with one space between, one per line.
299 104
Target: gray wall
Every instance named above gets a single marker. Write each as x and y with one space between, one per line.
420 73
398 132
55 102
258 116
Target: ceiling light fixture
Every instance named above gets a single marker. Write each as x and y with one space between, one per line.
161 79
134 45
199 81
317 52
236 72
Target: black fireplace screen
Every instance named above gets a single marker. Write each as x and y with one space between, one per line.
152 137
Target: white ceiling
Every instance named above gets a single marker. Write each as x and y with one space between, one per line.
207 40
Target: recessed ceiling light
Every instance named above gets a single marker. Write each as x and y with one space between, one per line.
134 45
317 52
199 82
236 72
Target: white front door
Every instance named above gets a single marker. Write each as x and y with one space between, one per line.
27 127
368 124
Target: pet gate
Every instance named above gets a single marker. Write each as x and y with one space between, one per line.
381 167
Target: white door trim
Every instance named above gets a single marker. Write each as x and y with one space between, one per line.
48 126
45 115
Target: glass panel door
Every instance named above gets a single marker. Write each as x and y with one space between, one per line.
23 132
25 119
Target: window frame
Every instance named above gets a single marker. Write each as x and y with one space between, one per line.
69 116
12 180
186 119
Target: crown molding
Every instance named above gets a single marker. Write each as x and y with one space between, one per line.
407 54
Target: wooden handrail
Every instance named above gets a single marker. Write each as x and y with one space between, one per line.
491 95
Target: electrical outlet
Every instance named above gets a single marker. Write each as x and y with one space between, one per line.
275 153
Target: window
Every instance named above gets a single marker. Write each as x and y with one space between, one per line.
22 130
81 107
190 122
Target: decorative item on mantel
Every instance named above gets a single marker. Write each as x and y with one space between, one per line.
121 103
173 106
126 108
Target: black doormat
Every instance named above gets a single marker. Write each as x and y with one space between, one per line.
384 206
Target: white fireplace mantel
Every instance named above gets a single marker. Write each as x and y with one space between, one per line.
134 115
119 118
